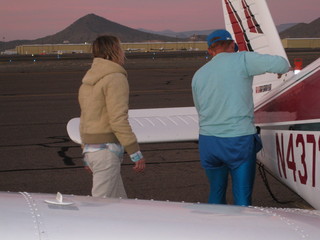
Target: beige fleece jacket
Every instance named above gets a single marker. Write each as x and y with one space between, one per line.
104 99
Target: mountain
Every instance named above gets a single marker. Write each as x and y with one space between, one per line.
188 34
283 27
13 44
185 34
86 29
303 30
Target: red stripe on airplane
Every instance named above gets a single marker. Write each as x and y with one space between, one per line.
251 20
248 17
237 29
300 102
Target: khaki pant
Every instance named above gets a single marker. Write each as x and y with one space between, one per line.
105 167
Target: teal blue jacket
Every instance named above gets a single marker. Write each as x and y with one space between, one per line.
222 91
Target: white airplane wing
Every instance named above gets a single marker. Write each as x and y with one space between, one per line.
252 26
165 124
42 216
155 125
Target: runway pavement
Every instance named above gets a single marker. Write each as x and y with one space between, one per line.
38 98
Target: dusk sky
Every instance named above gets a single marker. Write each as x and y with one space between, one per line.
21 19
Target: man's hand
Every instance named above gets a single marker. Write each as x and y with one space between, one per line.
290 69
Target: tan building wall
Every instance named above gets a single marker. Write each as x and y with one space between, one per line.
164 46
130 47
53 49
150 46
301 42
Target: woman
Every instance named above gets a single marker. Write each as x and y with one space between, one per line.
104 125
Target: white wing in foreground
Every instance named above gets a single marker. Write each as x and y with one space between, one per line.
111 218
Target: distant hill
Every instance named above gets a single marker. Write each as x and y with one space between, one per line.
13 44
87 28
185 34
283 27
303 30
188 34
289 30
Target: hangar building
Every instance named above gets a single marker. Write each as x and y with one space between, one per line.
288 43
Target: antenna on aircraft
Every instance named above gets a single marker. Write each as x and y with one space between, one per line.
59 200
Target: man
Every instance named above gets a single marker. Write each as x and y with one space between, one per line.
222 94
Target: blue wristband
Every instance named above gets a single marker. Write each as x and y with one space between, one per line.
135 157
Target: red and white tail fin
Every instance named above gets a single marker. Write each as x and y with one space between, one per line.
252 26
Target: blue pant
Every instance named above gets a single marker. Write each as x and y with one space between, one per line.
219 156
242 183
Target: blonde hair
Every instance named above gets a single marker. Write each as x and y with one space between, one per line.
108 47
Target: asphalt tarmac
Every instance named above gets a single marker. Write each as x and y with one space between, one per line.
37 99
